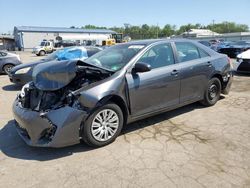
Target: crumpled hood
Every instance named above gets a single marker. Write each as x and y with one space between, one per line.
54 75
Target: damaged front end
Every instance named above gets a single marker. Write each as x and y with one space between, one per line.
47 111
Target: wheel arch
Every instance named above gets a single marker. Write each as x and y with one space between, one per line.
118 101
219 76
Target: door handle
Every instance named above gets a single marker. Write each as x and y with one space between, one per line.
175 72
209 64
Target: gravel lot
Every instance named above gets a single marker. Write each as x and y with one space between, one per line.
188 147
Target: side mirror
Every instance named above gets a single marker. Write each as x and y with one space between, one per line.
141 67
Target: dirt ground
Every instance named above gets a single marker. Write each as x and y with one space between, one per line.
189 147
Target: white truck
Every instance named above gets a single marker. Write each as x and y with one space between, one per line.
44 47
49 46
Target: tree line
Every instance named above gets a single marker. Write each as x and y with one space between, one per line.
146 31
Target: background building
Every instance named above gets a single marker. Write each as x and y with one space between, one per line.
27 37
198 33
205 34
7 42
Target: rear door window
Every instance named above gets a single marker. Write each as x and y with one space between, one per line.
187 51
202 53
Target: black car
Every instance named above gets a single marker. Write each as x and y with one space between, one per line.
23 73
235 48
92 100
243 61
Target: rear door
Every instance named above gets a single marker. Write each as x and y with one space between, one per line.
195 68
158 88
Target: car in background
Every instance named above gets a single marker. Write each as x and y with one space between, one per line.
223 44
92 100
235 48
8 61
204 42
243 60
213 46
23 73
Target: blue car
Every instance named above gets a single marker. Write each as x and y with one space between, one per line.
22 74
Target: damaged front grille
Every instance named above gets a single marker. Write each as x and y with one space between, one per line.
34 99
46 99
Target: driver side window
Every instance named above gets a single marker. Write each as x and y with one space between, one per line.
158 56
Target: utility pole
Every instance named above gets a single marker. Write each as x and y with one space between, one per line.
213 28
157 32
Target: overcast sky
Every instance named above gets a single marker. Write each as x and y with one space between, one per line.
66 13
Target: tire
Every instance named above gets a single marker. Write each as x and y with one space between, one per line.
93 132
42 53
212 93
7 68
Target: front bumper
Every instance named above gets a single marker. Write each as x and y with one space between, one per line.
33 126
244 66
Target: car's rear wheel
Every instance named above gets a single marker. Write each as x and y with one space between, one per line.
103 126
7 68
212 93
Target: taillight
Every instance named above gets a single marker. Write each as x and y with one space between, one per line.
230 62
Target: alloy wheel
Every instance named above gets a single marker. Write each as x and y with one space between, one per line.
213 91
105 125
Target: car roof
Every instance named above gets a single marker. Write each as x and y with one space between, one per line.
151 41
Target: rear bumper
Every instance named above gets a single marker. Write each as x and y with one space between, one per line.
227 88
56 128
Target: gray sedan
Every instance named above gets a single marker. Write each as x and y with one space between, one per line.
8 61
92 100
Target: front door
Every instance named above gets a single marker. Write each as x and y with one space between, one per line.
159 88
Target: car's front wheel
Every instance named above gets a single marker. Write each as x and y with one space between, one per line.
103 126
212 93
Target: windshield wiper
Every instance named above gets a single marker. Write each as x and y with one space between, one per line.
97 69
94 67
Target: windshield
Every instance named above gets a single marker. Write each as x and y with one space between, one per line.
115 57
67 54
42 43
